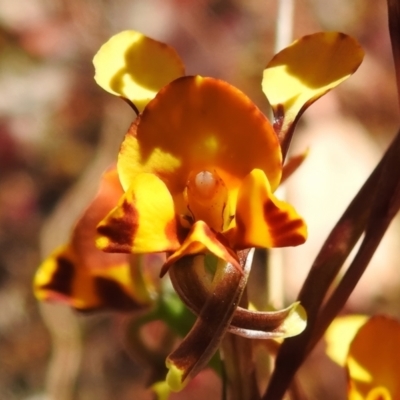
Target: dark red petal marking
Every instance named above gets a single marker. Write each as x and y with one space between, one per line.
111 295
63 277
121 231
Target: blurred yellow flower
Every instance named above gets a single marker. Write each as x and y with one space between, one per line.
372 358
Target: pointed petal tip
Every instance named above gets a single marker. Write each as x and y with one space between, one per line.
174 377
161 390
262 220
203 240
296 321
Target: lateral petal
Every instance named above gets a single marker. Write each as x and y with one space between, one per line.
201 240
305 71
261 219
136 67
144 220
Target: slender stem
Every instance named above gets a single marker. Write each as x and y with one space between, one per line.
283 37
237 356
326 267
240 369
284 25
224 394
383 210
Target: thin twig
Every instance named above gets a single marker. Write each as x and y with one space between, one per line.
284 25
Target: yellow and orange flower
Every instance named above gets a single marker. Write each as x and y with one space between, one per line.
199 167
369 349
201 162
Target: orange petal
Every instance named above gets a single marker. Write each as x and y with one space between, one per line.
262 220
201 124
136 67
62 278
202 240
144 220
373 360
84 234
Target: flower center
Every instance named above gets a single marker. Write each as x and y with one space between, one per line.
206 197
204 185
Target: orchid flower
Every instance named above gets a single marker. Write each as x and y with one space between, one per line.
211 156
198 169
87 279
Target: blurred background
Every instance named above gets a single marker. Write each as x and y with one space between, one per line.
59 131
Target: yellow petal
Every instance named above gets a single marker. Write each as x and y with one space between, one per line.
174 377
131 162
373 360
340 334
202 240
305 71
62 278
161 389
144 220
262 220
200 124
379 393
136 67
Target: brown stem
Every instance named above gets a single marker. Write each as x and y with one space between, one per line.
239 367
325 269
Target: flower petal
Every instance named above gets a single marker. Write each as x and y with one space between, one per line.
62 278
85 277
201 124
143 222
262 220
83 236
201 240
373 359
340 334
305 71
136 67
